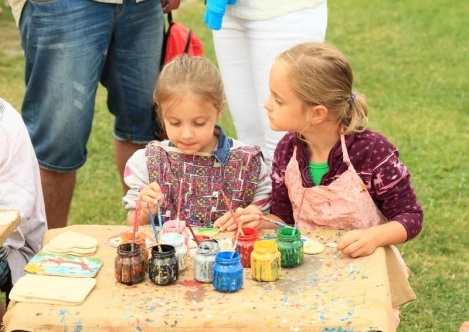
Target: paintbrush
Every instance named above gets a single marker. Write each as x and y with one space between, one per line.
136 221
275 222
159 215
160 223
227 202
192 232
179 203
240 230
155 232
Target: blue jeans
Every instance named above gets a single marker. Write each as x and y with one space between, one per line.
72 45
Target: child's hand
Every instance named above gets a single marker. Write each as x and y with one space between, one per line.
358 243
151 194
249 217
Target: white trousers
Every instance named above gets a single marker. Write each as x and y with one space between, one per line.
245 52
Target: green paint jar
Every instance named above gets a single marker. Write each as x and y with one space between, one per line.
290 247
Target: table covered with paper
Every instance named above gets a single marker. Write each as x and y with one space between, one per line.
328 292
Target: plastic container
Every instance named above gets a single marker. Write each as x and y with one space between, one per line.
171 226
177 241
245 245
265 261
228 272
129 264
290 247
163 266
204 260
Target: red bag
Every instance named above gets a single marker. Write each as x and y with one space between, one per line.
179 39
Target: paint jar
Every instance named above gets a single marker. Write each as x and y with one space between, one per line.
204 260
290 247
227 272
140 240
163 265
129 264
246 244
265 261
177 241
177 226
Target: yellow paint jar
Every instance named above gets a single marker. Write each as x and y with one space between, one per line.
265 261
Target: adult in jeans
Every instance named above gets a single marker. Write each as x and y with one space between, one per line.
20 189
247 39
70 47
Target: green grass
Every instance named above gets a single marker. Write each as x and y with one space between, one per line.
411 60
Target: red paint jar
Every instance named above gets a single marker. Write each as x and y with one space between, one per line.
246 244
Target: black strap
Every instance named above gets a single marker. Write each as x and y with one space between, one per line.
169 16
188 43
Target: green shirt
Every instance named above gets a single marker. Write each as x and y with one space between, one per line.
317 171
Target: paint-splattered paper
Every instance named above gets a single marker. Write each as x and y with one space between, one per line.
63 265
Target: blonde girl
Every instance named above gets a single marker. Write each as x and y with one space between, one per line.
198 156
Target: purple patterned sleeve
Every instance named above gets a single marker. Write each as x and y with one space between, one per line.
392 191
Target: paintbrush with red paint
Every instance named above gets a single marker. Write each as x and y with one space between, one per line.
179 203
136 221
192 232
227 202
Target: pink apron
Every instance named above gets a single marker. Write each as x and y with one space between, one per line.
344 204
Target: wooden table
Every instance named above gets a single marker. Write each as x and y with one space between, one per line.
328 292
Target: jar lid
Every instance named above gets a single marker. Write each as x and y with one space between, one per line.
208 247
228 257
172 238
129 249
287 233
265 246
166 250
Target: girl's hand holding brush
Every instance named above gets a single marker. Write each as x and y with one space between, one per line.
249 216
151 194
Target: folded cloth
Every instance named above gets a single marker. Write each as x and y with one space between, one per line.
401 291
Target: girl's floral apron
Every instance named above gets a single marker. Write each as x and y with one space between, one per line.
344 204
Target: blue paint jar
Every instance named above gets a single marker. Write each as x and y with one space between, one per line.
204 260
163 266
228 272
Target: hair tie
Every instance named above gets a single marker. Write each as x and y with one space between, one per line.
352 98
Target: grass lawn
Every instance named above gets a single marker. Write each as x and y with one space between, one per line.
411 60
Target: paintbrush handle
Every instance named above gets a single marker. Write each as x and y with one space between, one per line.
192 232
152 220
159 215
275 222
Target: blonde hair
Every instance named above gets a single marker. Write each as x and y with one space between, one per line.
188 74
319 74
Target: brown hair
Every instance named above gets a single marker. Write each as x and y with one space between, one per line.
189 74
319 74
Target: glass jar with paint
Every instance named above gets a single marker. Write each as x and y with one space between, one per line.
227 272
204 260
129 264
290 246
177 241
163 266
177 226
139 239
246 244
265 261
